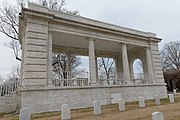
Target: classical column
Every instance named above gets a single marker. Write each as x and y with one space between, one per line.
92 63
69 66
126 73
49 61
149 65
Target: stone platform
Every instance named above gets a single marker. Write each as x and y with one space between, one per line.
47 99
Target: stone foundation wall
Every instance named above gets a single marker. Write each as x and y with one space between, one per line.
48 99
9 103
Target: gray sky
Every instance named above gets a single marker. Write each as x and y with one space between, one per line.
158 16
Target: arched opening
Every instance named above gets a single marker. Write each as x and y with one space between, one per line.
137 66
138 75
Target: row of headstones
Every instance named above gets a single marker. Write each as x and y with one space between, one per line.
65 109
157 100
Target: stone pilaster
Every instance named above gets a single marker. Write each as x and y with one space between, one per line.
149 65
49 59
126 73
156 60
35 53
92 63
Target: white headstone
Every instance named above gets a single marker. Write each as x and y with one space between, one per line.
157 116
141 102
171 98
97 107
65 112
174 91
24 114
122 106
115 97
157 100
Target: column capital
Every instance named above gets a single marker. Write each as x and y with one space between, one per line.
90 39
147 47
123 44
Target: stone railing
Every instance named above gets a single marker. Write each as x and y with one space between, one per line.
136 78
139 78
71 78
9 87
81 79
71 82
111 81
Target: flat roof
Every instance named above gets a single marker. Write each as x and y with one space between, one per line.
45 12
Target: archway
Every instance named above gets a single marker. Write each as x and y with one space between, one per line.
138 72
138 66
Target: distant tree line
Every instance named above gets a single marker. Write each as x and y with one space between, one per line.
170 59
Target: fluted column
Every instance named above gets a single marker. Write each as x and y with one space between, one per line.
149 65
92 63
125 64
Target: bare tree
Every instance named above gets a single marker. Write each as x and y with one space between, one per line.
9 21
9 26
58 5
11 83
60 65
172 77
1 80
170 55
170 59
16 48
106 65
15 73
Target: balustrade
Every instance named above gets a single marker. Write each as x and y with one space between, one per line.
71 78
81 79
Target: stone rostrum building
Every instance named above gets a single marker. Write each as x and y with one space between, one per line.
43 32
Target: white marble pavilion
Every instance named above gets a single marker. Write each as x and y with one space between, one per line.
43 32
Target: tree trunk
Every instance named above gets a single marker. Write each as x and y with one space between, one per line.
174 84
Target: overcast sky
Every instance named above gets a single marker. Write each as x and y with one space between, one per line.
158 16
